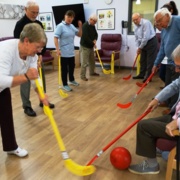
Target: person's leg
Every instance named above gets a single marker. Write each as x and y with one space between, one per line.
71 63
84 53
6 121
142 64
64 70
151 49
148 131
25 94
162 72
91 62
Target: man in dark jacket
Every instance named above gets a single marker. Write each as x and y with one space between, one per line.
88 42
31 13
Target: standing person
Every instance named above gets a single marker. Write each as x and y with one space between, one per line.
65 33
31 13
171 6
88 43
170 38
149 130
145 38
18 64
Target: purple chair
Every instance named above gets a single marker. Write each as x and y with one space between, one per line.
110 49
48 58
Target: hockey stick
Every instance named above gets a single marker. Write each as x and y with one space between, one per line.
103 69
134 97
129 76
120 135
70 165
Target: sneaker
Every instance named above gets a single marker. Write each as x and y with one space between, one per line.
144 168
67 88
19 152
84 78
74 83
50 105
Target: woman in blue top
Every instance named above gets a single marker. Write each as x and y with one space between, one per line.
64 42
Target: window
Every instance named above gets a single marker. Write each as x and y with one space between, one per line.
146 8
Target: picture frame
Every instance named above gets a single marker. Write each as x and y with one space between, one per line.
46 19
106 19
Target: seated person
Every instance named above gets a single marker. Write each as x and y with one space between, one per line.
149 130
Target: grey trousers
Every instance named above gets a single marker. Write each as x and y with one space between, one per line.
148 56
25 90
148 131
87 58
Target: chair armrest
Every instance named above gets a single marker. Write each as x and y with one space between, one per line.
176 132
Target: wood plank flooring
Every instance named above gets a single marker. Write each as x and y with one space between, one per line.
88 119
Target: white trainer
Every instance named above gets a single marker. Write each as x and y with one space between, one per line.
18 152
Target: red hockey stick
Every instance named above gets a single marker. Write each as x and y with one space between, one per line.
129 76
134 97
120 135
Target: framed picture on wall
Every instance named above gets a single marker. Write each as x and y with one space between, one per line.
47 21
106 19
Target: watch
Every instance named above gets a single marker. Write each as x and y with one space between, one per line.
108 1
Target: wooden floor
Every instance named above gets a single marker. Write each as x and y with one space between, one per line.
88 120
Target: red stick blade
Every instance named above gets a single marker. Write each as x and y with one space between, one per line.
127 77
124 106
139 84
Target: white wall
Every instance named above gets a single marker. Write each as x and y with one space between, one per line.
121 13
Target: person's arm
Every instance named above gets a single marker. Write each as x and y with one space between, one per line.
79 34
17 30
56 43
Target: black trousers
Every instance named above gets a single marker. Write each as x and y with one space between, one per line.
148 56
148 131
6 121
67 67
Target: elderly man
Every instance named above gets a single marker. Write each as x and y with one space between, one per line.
146 43
31 13
149 130
18 65
170 39
88 42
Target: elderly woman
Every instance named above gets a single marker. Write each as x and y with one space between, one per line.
18 64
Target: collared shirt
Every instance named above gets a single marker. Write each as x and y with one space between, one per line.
143 33
66 33
11 64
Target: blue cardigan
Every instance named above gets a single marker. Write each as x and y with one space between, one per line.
170 39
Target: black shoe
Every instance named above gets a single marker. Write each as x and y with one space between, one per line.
50 105
29 111
138 77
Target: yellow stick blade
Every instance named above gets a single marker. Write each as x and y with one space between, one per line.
62 93
106 71
78 169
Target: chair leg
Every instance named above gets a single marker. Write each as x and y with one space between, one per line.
171 158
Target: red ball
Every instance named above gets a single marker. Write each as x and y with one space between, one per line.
120 158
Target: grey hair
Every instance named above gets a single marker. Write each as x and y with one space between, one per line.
176 53
93 16
163 12
31 3
34 32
